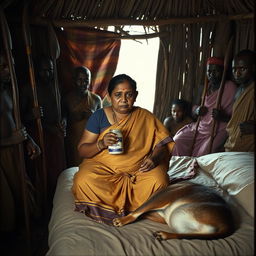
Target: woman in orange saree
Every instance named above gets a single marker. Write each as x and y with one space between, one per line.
111 185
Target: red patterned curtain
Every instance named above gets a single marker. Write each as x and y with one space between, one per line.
96 49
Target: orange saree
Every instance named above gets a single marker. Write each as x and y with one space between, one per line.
107 186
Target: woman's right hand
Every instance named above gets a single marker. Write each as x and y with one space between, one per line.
109 139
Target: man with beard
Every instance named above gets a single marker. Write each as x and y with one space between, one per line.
184 137
52 124
241 127
12 209
78 105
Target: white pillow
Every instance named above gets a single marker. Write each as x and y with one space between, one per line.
234 172
183 167
227 172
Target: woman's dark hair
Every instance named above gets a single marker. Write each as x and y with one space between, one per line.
120 79
185 105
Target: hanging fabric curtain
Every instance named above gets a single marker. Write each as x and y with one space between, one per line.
96 49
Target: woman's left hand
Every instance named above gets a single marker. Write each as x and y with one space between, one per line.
153 160
147 165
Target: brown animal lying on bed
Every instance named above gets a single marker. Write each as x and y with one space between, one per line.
192 210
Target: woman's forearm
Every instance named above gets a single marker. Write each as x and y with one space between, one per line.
88 150
158 154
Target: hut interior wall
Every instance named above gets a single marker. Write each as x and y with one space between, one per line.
187 31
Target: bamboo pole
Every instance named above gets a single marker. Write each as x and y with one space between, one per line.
55 53
28 43
199 117
202 103
7 41
220 91
122 22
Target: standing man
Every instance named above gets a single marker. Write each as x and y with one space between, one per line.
241 127
52 124
11 212
184 137
79 104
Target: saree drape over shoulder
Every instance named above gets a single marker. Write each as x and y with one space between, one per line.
243 110
107 186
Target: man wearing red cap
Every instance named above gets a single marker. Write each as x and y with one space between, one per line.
208 115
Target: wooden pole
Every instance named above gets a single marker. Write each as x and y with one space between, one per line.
28 43
199 117
8 50
67 23
55 53
202 103
220 91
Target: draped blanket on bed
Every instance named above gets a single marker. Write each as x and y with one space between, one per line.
72 233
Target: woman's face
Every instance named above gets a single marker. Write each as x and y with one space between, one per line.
177 113
123 98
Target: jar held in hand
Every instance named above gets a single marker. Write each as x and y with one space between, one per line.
116 148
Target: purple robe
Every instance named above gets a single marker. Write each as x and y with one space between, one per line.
184 137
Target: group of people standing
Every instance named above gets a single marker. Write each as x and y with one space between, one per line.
62 126
106 185
229 127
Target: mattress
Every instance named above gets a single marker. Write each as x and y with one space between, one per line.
232 174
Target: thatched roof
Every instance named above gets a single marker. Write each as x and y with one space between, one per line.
142 12
188 30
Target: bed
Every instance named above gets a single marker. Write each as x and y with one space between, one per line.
231 173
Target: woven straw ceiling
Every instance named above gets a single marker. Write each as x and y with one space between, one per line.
138 9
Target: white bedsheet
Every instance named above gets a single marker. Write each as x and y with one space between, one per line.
72 233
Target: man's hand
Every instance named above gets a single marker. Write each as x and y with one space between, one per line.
216 114
201 111
37 112
32 148
219 115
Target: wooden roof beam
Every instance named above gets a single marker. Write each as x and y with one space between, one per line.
120 22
